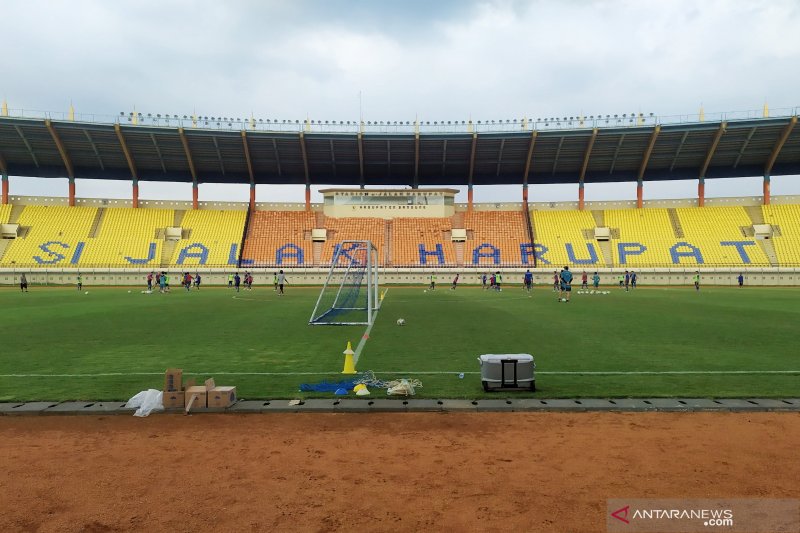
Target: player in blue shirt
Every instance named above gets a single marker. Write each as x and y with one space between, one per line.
528 280
740 279
634 277
566 284
627 281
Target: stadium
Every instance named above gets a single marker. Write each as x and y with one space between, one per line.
390 310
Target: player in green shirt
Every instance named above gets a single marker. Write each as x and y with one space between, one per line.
80 282
696 279
596 280
433 282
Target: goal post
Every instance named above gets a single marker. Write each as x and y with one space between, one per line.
350 293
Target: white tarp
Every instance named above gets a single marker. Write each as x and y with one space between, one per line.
146 402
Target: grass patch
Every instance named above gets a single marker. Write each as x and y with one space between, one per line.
254 339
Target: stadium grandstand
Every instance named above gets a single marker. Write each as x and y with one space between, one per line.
420 226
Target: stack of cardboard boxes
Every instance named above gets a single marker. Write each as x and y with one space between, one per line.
180 395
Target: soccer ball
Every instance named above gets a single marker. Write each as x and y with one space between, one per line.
401 321
87 292
425 290
129 292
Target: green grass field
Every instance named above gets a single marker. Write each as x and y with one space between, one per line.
61 344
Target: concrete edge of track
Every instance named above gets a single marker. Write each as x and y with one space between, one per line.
353 405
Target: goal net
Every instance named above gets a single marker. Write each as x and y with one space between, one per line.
350 293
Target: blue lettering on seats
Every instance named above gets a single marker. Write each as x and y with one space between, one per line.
76 255
151 254
289 250
692 251
423 254
574 260
195 251
54 257
624 249
740 248
486 250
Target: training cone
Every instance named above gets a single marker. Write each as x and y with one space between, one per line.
349 364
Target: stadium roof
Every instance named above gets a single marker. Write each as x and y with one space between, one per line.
716 149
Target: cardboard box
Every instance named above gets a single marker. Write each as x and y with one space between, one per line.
173 380
221 397
202 397
173 400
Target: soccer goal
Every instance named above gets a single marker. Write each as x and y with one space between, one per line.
350 293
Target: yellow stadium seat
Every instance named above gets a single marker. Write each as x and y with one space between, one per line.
787 220
707 227
213 237
649 227
5 213
56 236
556 230
127 237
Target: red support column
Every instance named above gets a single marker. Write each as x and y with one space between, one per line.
766 189
135 198
194 196
252 196
71 191
5 189
701 192
639 194
308 197
469 198
580 196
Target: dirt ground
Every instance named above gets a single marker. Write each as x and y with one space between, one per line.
379 472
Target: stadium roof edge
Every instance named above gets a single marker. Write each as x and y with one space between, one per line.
156 152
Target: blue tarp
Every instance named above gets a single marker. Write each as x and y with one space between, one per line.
326 386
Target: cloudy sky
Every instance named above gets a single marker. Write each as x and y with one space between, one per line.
432 59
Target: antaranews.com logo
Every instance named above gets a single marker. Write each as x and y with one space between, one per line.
688 516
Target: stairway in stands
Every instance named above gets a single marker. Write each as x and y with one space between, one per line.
677 229
599 218
98 222
167 249
179 214
756 215
3 245
16 211
387 260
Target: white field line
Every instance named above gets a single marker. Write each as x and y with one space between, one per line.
424 373
366 334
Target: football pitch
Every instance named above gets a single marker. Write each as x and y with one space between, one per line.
62 344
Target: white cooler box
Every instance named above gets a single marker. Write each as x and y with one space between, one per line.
508 371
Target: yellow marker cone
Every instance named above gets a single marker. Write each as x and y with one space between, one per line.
349 365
